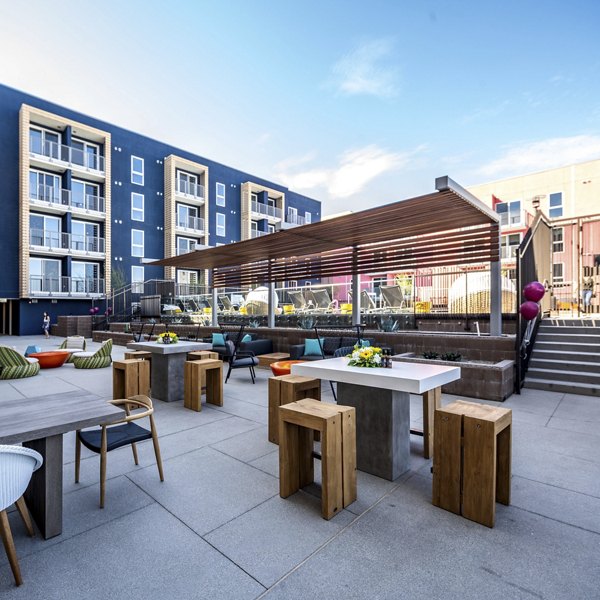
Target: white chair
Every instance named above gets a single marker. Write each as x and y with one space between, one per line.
17 464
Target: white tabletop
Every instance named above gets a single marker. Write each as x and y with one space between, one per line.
403 377
177 348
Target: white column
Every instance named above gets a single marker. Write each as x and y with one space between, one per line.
215 311
271 317
355 299
495 298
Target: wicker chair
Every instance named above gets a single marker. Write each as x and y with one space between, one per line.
76 343
94 360
16 467
15 365
106 438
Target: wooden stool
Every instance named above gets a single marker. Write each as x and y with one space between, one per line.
202 355
194 372
285 389
143 354
472 459
131 377
337 424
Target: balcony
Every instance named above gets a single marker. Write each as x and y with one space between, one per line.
255 233
60 201
515 219
44 241
265 211
194 225
193 192
508 252
293 220
65 286
51 154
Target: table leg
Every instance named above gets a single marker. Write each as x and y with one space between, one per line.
167 376
44 495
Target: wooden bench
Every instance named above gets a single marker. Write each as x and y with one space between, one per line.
131 377
194 373
337 424
472 459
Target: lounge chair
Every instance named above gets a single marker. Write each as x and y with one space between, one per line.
73 343
393 296
94 360
16 366
321 300
298 300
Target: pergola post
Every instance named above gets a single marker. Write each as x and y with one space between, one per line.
215 306
355 290
496 293
271 315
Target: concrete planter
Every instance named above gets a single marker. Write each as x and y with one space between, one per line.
487 381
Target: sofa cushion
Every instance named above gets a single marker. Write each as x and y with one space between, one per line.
331 344
218 339
247 338
312 347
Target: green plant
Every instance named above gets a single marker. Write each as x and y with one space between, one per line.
451 356
388 323
254 323
430 355
367 356
117 278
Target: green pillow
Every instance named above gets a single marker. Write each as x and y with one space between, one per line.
218 339
247 338
312 347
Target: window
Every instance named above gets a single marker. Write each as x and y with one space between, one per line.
45 231
137 280
185 245
510 245
137 170
558 272
44 275
137 242
84 278
307 217
85 195
292 283
44 142
556 205
44 186
187 217
221 224
220 195
84 237
558 239
510 213
85 154
292 214
188 184
271 228
187 278
137 206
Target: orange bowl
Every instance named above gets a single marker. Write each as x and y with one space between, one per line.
283 367
51 359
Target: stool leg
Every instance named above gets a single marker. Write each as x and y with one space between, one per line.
447 461
349 456
289 471
331 467
431 400
503 466
306 463
479 471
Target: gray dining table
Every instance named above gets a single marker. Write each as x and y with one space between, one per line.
40 423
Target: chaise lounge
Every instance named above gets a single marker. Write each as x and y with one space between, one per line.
16 366
94 360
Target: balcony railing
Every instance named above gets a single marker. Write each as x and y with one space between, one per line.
66 154
195 223
266 209
190 189
58 240
507 252
185 250
39 285
64 198
294 219
254 233
519 218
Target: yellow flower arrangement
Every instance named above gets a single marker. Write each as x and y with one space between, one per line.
167 338
368 356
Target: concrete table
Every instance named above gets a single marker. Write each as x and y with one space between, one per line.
382 402
167 366
39 423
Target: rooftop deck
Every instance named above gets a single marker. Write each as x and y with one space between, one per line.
217 528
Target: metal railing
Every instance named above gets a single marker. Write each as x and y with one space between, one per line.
266 209
195 223
58 196
254 233
58 240
190 189
295 219
65 285
66 154
181 251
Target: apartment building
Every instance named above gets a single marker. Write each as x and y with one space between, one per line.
86 205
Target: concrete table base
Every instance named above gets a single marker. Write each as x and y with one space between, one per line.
382 428
167 377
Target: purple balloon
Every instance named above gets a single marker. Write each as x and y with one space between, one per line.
534 291
92 311
529 310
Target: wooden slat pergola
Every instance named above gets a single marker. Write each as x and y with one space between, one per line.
447 227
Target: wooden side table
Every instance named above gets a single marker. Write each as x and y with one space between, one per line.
131 377
266 360
285 389
472 459
195 372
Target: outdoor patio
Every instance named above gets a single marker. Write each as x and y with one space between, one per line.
217 528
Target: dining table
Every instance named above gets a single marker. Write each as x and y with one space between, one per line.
381 397
39 423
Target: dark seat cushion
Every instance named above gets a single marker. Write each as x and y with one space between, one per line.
248 361
117 436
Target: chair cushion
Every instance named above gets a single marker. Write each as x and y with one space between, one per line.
117 436
83 354
31 360
312 347
247 361
218 339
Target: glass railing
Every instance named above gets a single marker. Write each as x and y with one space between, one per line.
195 223
295 219
65 285
185 250
57 240
266 209
65 198
66 154
255 234
190 189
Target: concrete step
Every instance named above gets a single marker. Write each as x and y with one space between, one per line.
589 377
564 355
592 321
576 338
583 389
560 364
567 346
569 330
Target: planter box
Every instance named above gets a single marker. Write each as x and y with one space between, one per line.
486 381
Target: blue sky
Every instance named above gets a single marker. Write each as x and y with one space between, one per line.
353 103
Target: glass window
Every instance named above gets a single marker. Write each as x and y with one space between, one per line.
187 216
510 213
44 142
44 186
45 231
556 205
85 154
44 275
85 195
510 245
84 236
187 183
137 170
137 242
307 217
220 195
185 245
221 224
271 228
137 206
558 272
558 239
137 280
292 214
84 278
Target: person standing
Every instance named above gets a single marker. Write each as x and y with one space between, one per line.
46 325
587 291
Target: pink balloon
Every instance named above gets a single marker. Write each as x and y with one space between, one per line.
529 310
534 291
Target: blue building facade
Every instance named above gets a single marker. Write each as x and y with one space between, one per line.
86 205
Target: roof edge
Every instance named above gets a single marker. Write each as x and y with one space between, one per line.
445 183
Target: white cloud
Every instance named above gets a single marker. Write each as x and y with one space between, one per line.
367 70
354 170
545 154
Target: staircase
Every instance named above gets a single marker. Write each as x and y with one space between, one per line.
566 357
